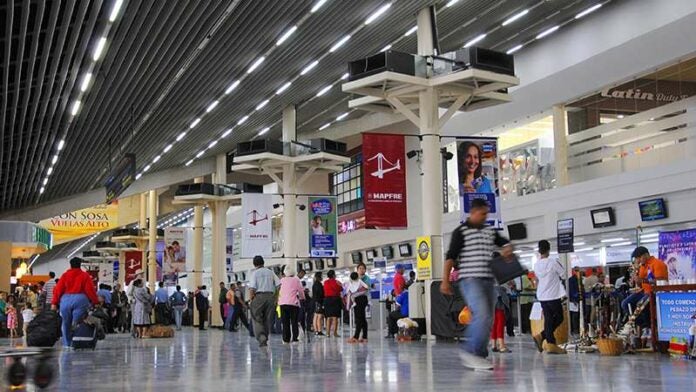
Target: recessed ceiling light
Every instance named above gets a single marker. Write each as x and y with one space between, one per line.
49 171
477 39
324 90
41 191
195 122
75 107
242 120
212 144
226 133
578 244
169 147
618 239
411 31
114 11
137 176
200 153
384 49
181 136
377 13
649 235
54 159
547 32
189 162
232 86
99 48
342 116
264 131
85 81
309 67
587 11
583 250
621 243
515 17
345 76
157 158
212 106
255 64
340 43
451 3
283 88
61 144
317 5
146 168
45 181
262 104
514 49
323 127
286 35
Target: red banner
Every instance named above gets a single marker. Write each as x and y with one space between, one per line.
384 179
134 264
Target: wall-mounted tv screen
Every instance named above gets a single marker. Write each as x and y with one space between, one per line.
405 250
371 254
651 210
603 217
357 257
388 252
308 266
331 263
319 264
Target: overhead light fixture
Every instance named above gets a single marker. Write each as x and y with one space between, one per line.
262 104
323 127
194 123
649 235
189 162
264 131
340 43
49 171
345 76
283 88
608 240
514 49
317 5
114 11
547 32
99 49
324 90
411 31
384 49
85 81
232 86
61 144
286 35
242 120
255 64
578 244
181 136
583 250
166 149
451 3
226 133
589 10
212 144
41 191
621 243
212 106
620 116
515 17
45 181
146 168
377 13
478 38
156 159
200 153
342 116
649 240
309 67
75 107
137 176
54 159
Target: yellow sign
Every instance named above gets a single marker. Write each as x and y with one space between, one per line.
424 258
69 226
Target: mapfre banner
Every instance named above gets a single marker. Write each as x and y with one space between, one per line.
384 179
256 225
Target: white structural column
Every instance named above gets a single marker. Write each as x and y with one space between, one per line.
289 190
560 145
197 248
219 212
152 241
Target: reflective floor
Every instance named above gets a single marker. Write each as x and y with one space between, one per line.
218 361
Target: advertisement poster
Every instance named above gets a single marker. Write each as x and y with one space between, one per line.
477 160
134 264
424 258
674 311
257 210
678 250
323 226
229 247
384 181
174 250
106 273
81 223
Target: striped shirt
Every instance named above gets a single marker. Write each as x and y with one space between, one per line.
472 249
48 289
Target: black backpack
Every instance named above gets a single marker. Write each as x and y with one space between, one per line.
44 329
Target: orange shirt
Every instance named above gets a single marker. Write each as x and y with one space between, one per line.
659 270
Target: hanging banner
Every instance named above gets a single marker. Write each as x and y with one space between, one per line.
323 226
384 181
678 250
174 250
81 223
106 273
134 264
424 258
256 225
477 160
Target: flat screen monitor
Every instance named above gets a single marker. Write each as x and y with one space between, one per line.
603 217
371 254
308 266
319 264
388 252
331 263
651 210
405 250
517 231
357 257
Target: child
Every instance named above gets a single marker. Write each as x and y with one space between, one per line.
11 317
27 316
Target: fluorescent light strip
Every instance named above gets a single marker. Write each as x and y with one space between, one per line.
181 136
194 123
649 240
242 120
478 38
514 49
286 35
45 181
232 86
589 10
317 5
384 49
200 153
340 43
227 132
212 106
146 168
61 144
156 159
342 116
547 32
617 239
283 88
264 131
166 149
75 107
621 244
99 49
54 159
115 10
583 250
212 144
345 76
256 64
324 90
579 244
85 81
451 3
411 31
262 104
309 67
515 17
323 127
377 13
42 190
649 235
49 171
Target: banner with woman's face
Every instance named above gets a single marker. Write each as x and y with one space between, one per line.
477 161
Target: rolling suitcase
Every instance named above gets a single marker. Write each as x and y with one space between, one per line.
84 337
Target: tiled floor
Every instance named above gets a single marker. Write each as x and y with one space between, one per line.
217 361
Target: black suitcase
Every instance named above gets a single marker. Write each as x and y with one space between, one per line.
84 337
506 270
44 329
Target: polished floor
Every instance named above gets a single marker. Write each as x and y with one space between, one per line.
214 360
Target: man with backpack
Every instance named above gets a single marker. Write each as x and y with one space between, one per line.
178 304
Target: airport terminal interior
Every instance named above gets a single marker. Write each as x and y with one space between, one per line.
302 195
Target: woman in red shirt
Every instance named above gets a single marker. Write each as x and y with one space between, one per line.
332 303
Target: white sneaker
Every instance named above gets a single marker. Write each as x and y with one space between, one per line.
475 362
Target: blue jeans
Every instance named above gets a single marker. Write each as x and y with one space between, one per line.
229 318
479 294
73 308
178 312
642 319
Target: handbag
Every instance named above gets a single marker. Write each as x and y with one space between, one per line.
507 269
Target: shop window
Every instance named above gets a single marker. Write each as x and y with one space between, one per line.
346 185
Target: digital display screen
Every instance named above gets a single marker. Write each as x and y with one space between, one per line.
603 217
120 178
651 210
371 254
405 250
388 252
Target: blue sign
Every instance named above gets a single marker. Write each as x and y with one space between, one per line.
489 197
674 312
321 207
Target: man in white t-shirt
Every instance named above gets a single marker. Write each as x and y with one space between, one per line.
550 292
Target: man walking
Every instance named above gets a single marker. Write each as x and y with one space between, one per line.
262 288
161 301
470 251
48 288
202 304
222 300
74 293
550 291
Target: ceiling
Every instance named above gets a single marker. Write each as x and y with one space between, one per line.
165 62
